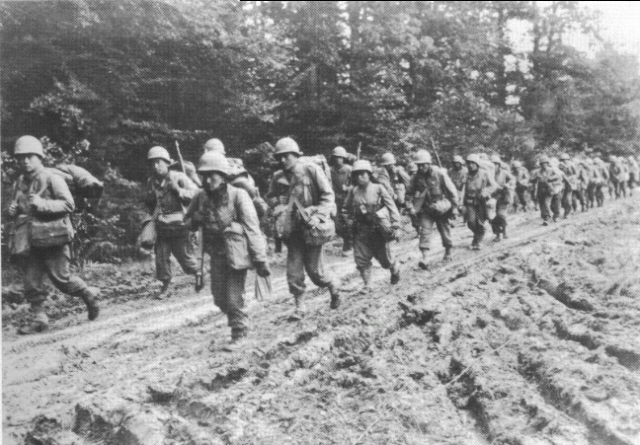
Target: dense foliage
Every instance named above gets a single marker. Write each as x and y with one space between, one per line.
129 74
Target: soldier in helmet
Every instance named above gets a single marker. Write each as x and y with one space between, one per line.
169 192
341 181
394 178
458 174
505 186
570 182
360 207
522 179
43 197
634 173
433 199
550 189
307 186
478 189
222 209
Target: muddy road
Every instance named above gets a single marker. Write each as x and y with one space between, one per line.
533 340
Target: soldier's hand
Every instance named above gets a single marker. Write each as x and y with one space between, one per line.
35 201
13 209
262 270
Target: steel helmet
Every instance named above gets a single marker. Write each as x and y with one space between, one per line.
339 152
565 157
555 161
457 159
474 158
28 145
496 159
544 160
388 159
287 145
213 161
422 157
517 164
362 166
159 152
214 145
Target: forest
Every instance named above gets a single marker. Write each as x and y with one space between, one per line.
103 81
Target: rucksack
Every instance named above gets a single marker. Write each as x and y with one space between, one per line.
319 160
85 188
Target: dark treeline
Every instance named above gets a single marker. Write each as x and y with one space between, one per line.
128 74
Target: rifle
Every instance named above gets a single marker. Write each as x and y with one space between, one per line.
180 159
359 149
435 151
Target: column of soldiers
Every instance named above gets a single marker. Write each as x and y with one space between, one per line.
219 198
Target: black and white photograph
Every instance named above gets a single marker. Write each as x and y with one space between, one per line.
237 222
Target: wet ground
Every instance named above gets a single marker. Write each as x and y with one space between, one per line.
533 340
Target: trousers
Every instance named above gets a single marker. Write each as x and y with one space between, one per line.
476 215
182 247
550 203
369 244
426 223
301 257
227 288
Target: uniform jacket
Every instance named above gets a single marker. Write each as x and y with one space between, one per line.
394 181
360 204
505 184
479 186
550 181
341 181
434 186
571 173
459 177
214 213
522 177
167 197
57 199
308 183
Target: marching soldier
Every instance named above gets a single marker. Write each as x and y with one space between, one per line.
435 200
523 184
478 189
394 178
227 214
505 184
360 207
341 181
549 190
169 192
42 198
570 172
634 173
458 174
308 186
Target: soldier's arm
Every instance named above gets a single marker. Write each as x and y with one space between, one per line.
62 201
449 188
390 204
410 193
327 204
272 194
404 176
192 215
347 209
185 187
490 186
251 224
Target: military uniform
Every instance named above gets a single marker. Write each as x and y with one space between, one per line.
215 212
505 184
570 172
522 179
166 199
310 186
55 201
478 189
341 181
550 188
396 180
425 190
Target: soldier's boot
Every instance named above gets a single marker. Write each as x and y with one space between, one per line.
395 273
498 237
238 340
424 261
347 248
447 253
300 308
366 279
165 291
40 322
335 296
92 305
504 233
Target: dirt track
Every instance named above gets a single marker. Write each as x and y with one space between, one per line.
530 341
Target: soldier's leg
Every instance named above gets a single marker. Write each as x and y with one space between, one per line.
183 249
362 253
163 259
555 205
545 207
382 253
57 261
472 223
295 265
444 228
566 202
219 277
35 292
237 316
427 224
314 265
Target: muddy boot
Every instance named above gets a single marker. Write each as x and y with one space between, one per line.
300 310
395 274
92 305
40 322
447 254
504 233
498 238
238 340
424 262
366 280
165 291
335 296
